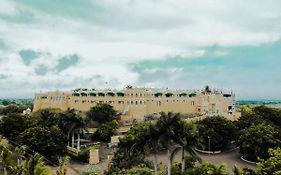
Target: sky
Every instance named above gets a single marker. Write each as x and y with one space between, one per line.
67 44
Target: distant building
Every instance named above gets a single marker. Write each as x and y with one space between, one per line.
26 112
135 103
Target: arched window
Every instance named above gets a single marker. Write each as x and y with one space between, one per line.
158 103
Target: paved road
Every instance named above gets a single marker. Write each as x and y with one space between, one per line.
229 159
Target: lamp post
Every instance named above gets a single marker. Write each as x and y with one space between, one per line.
209 144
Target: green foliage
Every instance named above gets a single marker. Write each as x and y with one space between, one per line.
271 115
190 161
48 141
91 170
12 108
45 131
220 131
255 141
63 163
82 156
71 120
260 114
46 117
245 171
12 125
101 113
248 119
175 170
207 169
105 131
135 171
273 164
149 138
126 160
12 162
35 165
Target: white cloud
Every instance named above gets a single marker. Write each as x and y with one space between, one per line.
125 32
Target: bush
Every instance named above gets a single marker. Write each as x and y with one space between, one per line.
105 131
91 170
207 169
83 155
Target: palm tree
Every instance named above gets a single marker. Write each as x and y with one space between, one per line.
152 143
5 157
166 126
20 151
237 170
72 122
186 137
63 162
35 165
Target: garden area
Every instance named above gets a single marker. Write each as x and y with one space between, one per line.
165 145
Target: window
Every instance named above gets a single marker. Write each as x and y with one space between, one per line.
158 103
136 102
192 103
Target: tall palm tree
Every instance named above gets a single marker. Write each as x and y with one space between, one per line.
152 143
166 126
186 137
35 165
63 163
72 122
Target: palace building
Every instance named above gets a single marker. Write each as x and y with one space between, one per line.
136 103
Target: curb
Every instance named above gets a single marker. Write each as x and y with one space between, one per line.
207 152
248 161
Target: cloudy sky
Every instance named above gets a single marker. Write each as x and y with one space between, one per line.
66 44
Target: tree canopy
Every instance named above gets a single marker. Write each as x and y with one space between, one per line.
48 141
255 141
12 125
218 131
102 113
272 165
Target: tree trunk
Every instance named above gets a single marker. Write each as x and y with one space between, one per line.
72 140
68 137
78 141
155 164
169 163
5 171
182 161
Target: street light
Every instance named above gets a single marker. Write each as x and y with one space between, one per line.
209 144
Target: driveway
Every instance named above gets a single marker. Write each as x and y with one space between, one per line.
227 158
